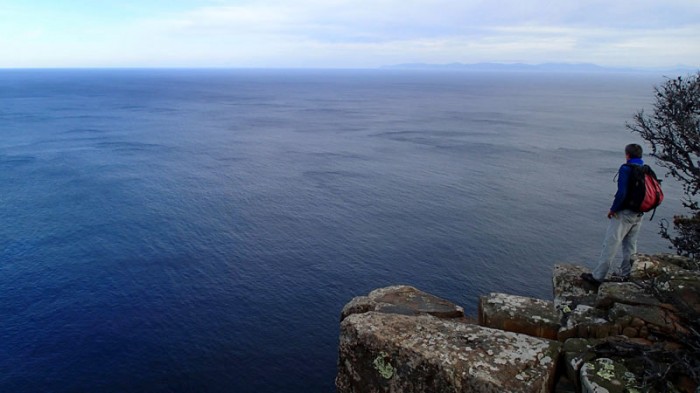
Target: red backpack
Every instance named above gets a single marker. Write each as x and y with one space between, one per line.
643 190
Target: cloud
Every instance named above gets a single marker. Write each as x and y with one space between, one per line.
360 33
413 18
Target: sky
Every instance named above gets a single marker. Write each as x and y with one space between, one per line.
347 33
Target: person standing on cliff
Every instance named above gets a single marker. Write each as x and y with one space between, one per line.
623 228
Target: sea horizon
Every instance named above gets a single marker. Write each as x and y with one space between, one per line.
483 66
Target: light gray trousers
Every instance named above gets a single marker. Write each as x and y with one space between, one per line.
622 230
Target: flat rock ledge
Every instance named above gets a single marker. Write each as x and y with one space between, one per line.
405 300
401 339
397 353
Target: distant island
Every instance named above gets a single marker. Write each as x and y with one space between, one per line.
545 67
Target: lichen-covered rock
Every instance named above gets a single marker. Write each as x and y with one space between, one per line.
647 266
576 352
399 339
518 314
623 292
583 322
678 260
409 354
682 287
405 300
606 375
569 289
654 319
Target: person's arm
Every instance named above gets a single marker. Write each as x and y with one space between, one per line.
621 194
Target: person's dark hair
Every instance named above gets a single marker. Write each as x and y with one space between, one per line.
633 150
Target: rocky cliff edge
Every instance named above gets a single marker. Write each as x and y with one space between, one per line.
635 336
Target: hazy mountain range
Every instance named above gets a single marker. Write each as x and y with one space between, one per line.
548 67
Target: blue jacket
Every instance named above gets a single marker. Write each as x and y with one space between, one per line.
623 176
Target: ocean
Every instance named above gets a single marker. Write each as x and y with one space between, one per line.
200 230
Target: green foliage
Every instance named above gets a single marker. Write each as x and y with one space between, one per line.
673 132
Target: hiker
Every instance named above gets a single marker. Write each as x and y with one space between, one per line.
623 227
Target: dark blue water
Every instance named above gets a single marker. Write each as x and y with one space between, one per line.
200 231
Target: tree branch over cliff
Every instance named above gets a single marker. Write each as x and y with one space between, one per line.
673 132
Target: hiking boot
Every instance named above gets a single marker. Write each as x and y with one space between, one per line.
588 277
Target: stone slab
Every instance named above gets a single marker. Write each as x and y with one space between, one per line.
519 314
610 293
404 300
409 354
